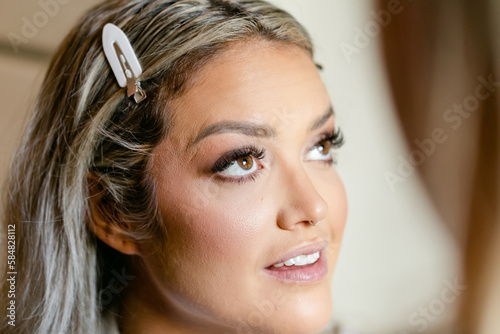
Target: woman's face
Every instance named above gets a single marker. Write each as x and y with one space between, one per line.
244 169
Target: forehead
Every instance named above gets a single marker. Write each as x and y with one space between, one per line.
257 81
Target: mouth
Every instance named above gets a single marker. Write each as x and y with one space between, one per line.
304 265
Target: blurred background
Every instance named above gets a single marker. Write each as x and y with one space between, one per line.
403 77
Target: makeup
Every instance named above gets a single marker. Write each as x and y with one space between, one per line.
237 207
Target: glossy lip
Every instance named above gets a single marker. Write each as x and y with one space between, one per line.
301 274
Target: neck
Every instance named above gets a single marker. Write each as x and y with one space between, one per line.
145 309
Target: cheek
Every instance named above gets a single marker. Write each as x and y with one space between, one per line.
212 235
339 209
212 251
334 194
330 187
226 225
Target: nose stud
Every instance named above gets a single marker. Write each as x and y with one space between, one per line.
314 223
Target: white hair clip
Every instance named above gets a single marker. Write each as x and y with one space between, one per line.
123 60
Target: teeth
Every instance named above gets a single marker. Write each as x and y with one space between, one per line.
300 260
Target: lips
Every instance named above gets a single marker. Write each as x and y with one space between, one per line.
304 264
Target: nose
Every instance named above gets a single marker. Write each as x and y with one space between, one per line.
301 200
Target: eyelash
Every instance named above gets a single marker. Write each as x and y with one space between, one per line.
335 137
223 163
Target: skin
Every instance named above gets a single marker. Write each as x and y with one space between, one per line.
209 277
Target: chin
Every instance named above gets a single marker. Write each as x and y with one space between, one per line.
308 316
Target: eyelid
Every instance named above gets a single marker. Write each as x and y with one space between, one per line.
230 157
241 179
334 135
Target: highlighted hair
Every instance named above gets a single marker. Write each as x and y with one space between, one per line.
83 124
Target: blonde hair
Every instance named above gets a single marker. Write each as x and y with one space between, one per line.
83 124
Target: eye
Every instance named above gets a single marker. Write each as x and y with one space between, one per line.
323 150
240 164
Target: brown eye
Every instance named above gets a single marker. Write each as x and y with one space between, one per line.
246 163
326 147
239 164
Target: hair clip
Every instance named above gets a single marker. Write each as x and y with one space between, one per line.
123 60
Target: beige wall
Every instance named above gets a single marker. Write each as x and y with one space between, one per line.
29 33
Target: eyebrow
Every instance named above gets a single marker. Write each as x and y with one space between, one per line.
255 130
321 120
